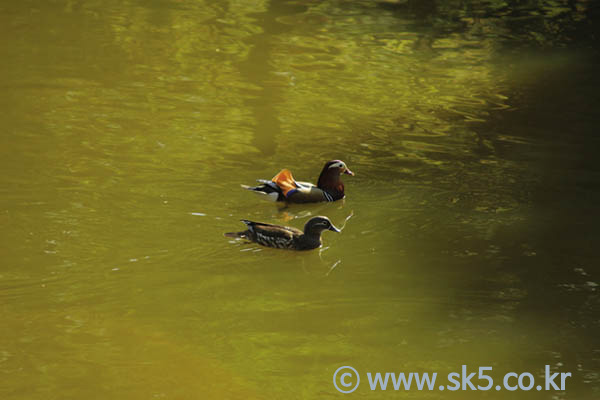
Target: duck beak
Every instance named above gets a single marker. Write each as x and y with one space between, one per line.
333 228
348 172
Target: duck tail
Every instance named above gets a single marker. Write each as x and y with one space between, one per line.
235 235
267 190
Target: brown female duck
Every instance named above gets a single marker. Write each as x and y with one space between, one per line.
284 237
283 186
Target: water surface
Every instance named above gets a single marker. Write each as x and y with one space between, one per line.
127 128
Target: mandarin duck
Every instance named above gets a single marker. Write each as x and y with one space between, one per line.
284 237
283 186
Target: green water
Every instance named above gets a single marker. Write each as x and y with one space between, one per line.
126 128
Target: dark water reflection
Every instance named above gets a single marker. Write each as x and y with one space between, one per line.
127 128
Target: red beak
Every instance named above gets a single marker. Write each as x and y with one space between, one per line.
348 172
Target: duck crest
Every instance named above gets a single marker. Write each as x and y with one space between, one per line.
330 182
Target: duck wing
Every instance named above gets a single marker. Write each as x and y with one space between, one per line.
278 188
285 182
308 193
298 192
270 227
271 235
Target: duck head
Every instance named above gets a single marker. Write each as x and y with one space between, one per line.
330 175
316 225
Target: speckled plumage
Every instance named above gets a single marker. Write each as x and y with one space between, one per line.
285 237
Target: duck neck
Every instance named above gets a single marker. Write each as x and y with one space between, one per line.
312 231
329 181
312 237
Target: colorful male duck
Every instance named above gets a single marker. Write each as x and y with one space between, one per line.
283 186
284 237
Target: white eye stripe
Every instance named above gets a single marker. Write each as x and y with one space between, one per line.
338 165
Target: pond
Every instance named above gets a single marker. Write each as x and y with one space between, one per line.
470 227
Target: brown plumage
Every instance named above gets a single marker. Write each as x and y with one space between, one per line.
283 186
284 237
